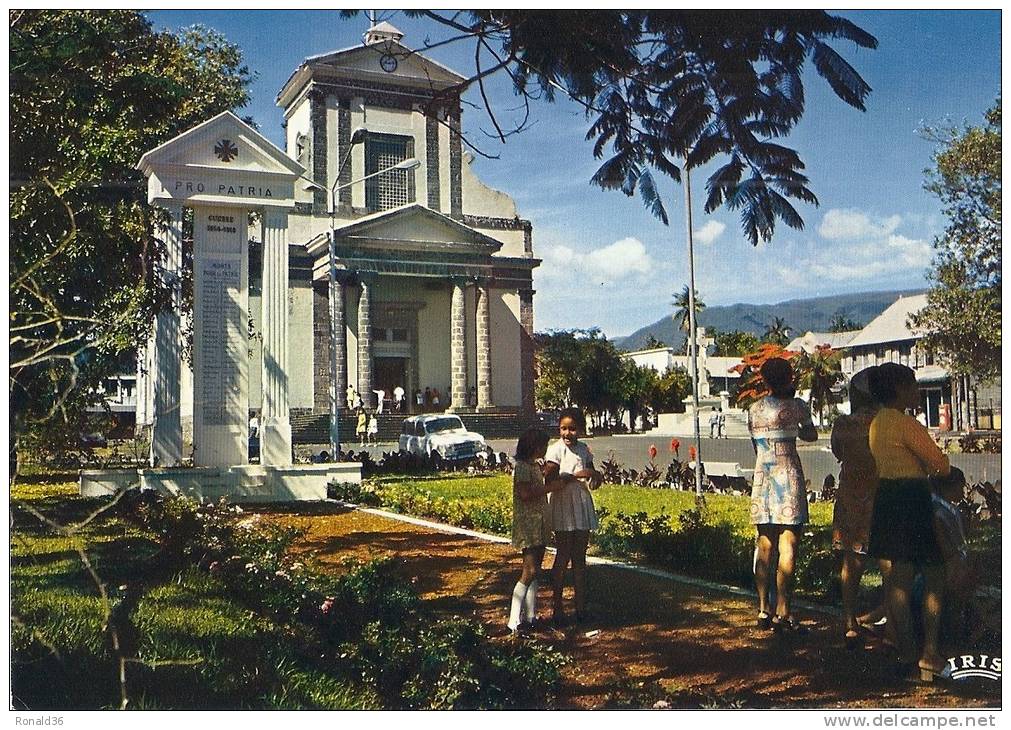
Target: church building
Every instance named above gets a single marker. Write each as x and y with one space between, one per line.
433 285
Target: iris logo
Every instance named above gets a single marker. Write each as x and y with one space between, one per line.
974 665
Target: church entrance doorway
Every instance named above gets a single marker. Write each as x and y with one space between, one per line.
389 373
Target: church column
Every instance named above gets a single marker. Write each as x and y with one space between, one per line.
526 350
167 429
484 392
458 346
365 341
275 427
338 315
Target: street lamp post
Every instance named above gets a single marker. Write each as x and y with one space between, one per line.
693 344
408 164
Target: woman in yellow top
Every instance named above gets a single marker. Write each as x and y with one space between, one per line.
902 522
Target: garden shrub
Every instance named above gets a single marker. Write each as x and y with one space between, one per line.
367 620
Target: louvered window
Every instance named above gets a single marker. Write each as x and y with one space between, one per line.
396 187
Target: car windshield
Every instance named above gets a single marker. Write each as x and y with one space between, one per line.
443 424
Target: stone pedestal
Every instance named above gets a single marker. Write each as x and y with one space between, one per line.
275 428
220 337
166 358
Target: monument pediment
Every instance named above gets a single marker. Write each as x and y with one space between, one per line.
415 227
223 161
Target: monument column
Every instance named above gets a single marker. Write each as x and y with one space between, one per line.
484 391
526 350
275 427
167 428
220 336
365 341
458 346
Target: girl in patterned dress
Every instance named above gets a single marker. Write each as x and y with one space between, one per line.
572 513
778 494
531 524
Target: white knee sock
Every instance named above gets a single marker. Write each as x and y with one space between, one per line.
530 602
516 607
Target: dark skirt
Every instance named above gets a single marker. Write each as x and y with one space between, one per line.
902 525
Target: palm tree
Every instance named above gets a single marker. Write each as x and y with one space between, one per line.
681 307
819 372
842 323
778 332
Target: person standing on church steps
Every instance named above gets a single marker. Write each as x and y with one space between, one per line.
398 399
435 399
419 400
428 398
352 397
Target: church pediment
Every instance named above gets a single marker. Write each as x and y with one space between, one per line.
415 227
223 161
387 62
393 62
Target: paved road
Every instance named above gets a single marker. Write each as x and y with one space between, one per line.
818 461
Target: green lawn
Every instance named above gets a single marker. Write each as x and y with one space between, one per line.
198 647
487 490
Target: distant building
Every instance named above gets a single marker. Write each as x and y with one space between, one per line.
810 341
890 338
663 359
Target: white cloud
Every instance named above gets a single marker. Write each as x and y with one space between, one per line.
877 256
847 223
709 232
619 260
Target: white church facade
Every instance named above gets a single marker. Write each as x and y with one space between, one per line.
433 268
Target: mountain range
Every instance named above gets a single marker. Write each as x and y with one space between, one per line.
800 315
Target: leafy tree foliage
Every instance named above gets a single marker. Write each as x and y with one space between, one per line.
841 323
576 367
671 90
90 91
655 343
635 389
818 372
672 387
778 332
734 343
962 318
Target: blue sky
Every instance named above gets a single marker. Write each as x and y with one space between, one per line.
607 262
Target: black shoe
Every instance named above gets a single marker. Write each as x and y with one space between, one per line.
788 626
853 640
764 621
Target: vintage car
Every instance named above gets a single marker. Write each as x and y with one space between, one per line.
443 434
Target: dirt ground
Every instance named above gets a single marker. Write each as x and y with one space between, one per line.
652 634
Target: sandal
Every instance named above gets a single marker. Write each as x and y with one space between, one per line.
764 621
930 674
788 625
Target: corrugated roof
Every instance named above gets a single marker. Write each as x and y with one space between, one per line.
811 341
892 324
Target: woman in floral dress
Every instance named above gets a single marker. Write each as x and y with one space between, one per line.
778 494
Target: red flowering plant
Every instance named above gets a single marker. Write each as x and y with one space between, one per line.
752 387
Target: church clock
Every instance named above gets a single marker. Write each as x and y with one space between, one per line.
388 63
